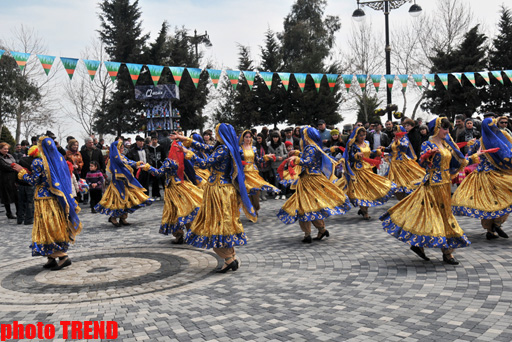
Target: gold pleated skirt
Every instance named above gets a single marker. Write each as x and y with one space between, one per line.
405 173
113 204
484 195
51 231
254 183
182 203
204 174
315 198
218 223
425 219
369 189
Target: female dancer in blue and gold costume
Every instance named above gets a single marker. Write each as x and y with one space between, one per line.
253 181
182 197
486 193
316 197
56 221
218 224
404 171
124 194
424 218
202 175
364 188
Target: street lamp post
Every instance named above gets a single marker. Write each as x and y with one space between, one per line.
386 6
201 39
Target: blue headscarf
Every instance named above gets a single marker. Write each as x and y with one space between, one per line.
346 155
226 135
119 170
311 136
493 137
59 179
458 162
410 151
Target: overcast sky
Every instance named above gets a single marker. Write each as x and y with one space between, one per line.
68 26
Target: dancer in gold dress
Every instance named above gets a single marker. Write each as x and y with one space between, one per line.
364 188
253 181
56 221
182 197
316 196
424 218
486 193
218 224
124 194
404 171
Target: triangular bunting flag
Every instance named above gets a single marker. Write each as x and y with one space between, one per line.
214 76
112 69
285 78
21 58
403 79
444 79
431 78
331 79
361 79
134 70
156 72
267 77
1 53
177 72
376 81
509 74
249 77
46 62
69 65
301 80
317 78
233 76
485 76
390 79
497 75
418 79
92 66
471 77
347 79
195 74
458 76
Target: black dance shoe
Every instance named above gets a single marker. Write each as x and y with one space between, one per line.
116 224
490 236
360 212
307 239
420 253
178 240
50 263
450 260
231 266
500 231
325 233
65 263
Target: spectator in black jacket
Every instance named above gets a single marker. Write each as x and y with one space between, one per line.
288 136
155 157
413 133
469 133
139 152
165 142
378 137
26 192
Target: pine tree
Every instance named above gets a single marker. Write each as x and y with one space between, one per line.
124 42
500 58
469 56
270 54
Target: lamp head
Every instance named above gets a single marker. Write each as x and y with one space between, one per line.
358 15
415 10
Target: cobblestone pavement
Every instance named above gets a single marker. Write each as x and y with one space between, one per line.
360 284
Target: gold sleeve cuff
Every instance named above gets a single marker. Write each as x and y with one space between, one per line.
139 163
333 148
297 153
189 155
146 167
187 143
21 174
378 152
297 161
357 156
475 159
267 158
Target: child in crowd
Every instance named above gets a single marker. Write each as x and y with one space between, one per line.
96 184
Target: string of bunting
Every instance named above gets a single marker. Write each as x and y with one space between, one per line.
235 76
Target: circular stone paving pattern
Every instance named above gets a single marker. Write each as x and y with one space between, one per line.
99 275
